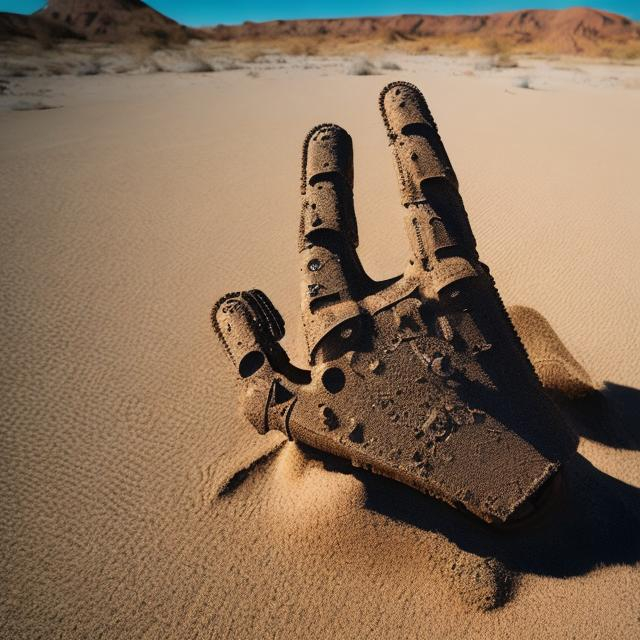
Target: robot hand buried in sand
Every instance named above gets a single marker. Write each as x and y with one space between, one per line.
421 378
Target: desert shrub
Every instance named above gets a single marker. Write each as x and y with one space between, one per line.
504 61
389 65
361 67
523 83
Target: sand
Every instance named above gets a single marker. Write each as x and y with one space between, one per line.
133 205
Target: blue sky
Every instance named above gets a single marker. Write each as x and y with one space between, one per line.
209 12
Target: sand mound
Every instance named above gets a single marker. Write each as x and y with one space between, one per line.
555 366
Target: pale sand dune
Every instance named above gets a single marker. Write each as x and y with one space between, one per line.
131 208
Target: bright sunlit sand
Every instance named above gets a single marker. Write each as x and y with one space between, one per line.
146 169
136 202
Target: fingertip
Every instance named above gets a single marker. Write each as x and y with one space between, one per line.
413 135
402 104
327 152
247 325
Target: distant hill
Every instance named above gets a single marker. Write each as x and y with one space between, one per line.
97 20
576 31
571 31
18 25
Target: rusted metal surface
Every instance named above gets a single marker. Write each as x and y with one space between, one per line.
421 378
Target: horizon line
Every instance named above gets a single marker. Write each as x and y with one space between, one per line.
355 16
392 14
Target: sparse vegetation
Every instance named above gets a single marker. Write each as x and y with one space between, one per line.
389 65
504 61
500 53
523 83
157 51
361 67
157 46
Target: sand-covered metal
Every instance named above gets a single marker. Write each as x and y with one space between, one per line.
421 378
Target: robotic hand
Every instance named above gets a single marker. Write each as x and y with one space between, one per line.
421 378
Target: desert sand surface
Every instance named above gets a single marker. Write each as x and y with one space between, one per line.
136 503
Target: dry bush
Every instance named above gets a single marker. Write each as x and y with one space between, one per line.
389 65
523 83
504 61
361 67
500 52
